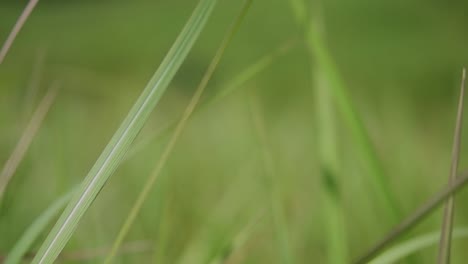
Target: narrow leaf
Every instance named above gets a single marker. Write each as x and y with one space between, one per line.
404 249
25 242
26 138
446 232
418 215
16 29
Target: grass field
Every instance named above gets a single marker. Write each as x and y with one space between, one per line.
324 125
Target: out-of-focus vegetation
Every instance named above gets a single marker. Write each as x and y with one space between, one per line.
400 62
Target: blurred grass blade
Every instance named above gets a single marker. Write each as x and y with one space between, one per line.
299 9
177 132
34 82
418 215
236 83
85 255
25 242
328 149
317 47
16 29
26 138
358 130
270 178
446 232
124 136
404 249
236 241
327 142
221 222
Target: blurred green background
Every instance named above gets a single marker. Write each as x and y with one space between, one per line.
401 62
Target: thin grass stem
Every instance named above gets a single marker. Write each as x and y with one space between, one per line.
446 231
177 132
16 28
413 245
26 138
230 87
412 220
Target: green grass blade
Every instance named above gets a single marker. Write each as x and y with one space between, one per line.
356 125
27 137
412 220
124 136
317 46
333 217
404 249
25 242
235 242
177 132
446 232
16 28
329 166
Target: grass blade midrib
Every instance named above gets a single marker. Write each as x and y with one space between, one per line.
446 232
120 142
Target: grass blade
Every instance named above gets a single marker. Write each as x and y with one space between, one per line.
19 250
404 249
355 123
124 136
318 48
236 242
26 138
333 217
418 215
16 28
177 132
34 82
84 255
446 232
329 166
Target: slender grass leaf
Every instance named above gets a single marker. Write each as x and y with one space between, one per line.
404 249
412 220
177 132
318 49
235 242
124 136
31 234
327 142
446 232
351 116
16 29
29 132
